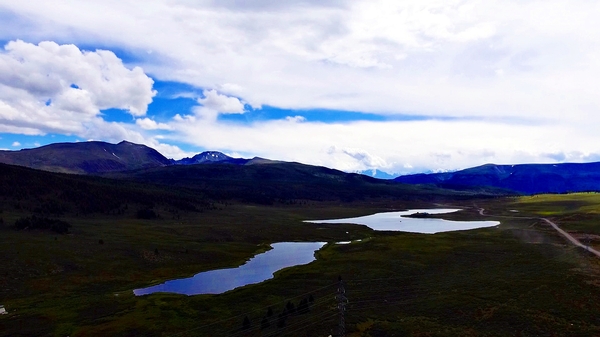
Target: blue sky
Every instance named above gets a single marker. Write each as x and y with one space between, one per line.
401 87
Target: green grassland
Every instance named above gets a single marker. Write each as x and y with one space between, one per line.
516 279
519 278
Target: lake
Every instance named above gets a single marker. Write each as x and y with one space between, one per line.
259 268
395 221
288 254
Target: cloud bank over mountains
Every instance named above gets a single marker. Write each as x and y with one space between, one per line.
484 81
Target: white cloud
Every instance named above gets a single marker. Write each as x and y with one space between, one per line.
16 144
487 61
115 132
397 147
295 119
149 124
221 103
426 57
51 88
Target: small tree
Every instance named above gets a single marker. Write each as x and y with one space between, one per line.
146 213
246 324
290 307
303 306
265 324
281 318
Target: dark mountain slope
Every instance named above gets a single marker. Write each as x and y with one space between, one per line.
56 193
86 157
268 181
525 178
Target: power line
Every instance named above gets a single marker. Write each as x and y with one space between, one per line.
361 298
315 304
341 305
249 312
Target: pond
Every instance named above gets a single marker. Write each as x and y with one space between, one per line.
259 268
397 221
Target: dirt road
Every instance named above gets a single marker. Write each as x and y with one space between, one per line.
572 239
558 229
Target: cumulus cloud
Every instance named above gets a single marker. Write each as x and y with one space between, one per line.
51 88
149 124
221 103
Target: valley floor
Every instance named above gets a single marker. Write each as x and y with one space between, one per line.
521 278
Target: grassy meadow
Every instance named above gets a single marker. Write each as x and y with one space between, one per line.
517 279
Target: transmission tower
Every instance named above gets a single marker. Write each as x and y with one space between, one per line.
587 242
341 304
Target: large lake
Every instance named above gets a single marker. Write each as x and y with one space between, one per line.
395 221
259 268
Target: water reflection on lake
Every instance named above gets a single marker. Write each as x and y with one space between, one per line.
259 268
395 221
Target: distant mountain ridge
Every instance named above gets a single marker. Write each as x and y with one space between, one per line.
86 157
208 157
95 157
523 178
377 174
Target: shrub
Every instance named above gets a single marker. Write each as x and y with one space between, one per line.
246 323
34 222
146 213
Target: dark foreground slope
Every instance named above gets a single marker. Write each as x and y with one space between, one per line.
197 187
526 178
54 194
86 157
267 182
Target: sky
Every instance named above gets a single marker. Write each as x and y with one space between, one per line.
399 86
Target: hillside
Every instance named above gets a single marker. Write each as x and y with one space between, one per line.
86 157
264 181
53 194
226 177
525 178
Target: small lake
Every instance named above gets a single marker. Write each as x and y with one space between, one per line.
288 254
259 268
395 221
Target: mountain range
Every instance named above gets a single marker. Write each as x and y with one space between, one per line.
86 157
96 158
140 162
109 176
524 178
